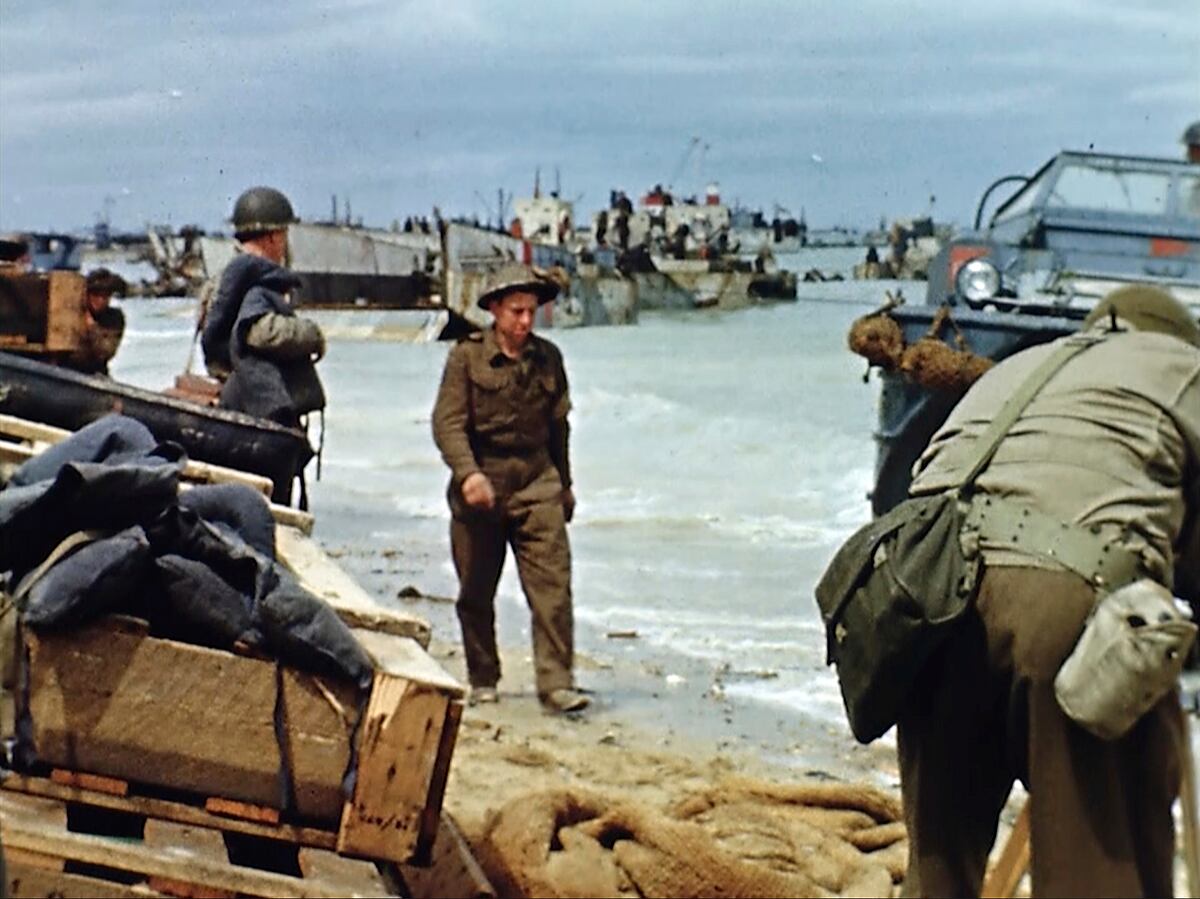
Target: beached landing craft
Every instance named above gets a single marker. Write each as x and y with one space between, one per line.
682 255
360 283
1079 226
595 293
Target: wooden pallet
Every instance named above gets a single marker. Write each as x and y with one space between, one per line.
57 837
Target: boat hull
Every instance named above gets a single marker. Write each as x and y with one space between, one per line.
67 399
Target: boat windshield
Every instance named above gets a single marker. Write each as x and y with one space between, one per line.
1189 186
1106 189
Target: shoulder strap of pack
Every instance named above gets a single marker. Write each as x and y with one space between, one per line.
1020 398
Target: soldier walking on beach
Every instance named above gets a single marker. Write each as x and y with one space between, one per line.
252 338
500 422
1109 454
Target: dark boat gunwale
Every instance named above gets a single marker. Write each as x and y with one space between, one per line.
64 398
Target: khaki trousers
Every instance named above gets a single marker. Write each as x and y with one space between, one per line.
984 714
529 520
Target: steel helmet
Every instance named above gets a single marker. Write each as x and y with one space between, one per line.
262 209
1148 309
1191 134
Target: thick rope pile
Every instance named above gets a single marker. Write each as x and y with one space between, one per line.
739 838
929 362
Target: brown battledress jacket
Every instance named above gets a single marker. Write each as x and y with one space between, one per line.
504 417
507 418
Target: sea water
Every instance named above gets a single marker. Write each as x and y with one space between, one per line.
719 460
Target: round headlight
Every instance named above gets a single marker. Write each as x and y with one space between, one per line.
977 280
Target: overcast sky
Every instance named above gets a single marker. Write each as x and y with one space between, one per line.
849 109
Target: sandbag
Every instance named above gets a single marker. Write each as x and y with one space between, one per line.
304 631
197 606
891 595
737 838
179 531
112 438
83 496
31 524
97 578
238 507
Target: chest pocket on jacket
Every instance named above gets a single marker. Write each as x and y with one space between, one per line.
491 406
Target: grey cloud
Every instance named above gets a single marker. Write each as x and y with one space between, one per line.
403 105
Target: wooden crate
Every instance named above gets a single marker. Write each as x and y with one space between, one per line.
42 313
111 699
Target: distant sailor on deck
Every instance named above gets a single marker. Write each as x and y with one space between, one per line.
500 422
252 338
104 324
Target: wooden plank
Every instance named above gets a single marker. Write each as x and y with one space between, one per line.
453 871
432 816
85 781
357 878
1004 877
183 716
167 835
16 453
409 732
37 883
184 890
208 473
402 657
319 574
24 429
293 518
233 809
33 860
65 311
167 810
398 753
